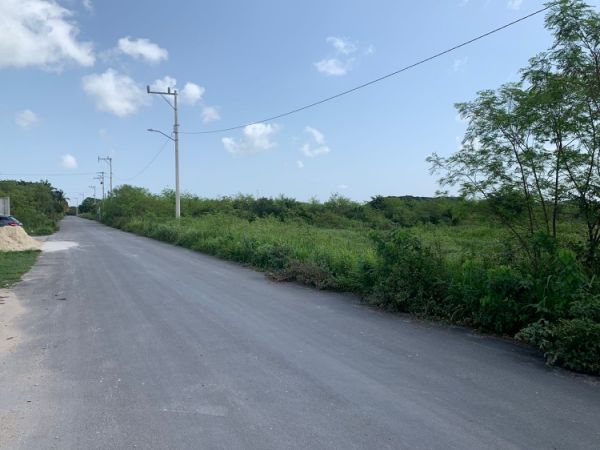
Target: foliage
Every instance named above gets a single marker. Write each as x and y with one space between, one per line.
409 276
14 264
531 152
318 257
88 206
337 212
572 343
532 148
38 205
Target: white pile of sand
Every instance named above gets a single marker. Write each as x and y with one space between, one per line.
15 239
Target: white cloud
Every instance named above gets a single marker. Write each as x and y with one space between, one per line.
316 134
103 133
87 4
343 186
191 93
459 64
69 161
340 62
142 49
26 118
514 4
318 139
40 33
342 45
332 67
256 138
115 93
210 114
300 164
319 148
163 84
313 152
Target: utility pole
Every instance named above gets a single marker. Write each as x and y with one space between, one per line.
93 186
172 93
100 177
108 159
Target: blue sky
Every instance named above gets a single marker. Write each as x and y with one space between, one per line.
74 72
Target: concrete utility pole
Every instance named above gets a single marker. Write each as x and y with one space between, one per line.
173 93
93 186
100 177
108 159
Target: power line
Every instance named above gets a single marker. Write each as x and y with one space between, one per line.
161 149
376 80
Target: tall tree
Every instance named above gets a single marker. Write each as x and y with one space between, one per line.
532 148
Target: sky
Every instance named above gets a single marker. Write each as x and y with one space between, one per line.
74 74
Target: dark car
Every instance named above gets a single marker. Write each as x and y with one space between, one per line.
9 221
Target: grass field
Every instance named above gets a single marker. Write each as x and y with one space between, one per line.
14 264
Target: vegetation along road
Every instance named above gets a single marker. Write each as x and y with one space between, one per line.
133 343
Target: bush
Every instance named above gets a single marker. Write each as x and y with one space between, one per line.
307 272
587 307
577 345
409 276
37 204
502 307
572 343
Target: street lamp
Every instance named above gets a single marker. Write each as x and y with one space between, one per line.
175 139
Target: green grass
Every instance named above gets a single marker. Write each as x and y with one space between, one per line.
314 254
458 242
14 264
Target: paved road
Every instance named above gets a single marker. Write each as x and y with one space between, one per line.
132 343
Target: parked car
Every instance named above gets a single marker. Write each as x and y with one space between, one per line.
9 221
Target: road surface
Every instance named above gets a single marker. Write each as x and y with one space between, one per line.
132 343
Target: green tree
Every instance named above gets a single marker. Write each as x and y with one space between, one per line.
88 205
531 148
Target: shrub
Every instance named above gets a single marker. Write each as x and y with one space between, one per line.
467 288
37 204
270 256
307 272
577 345
410 276
555 283
572 343
501 309
587 307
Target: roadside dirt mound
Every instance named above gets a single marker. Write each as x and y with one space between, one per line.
15 239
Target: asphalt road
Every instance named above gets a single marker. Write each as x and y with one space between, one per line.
132 343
